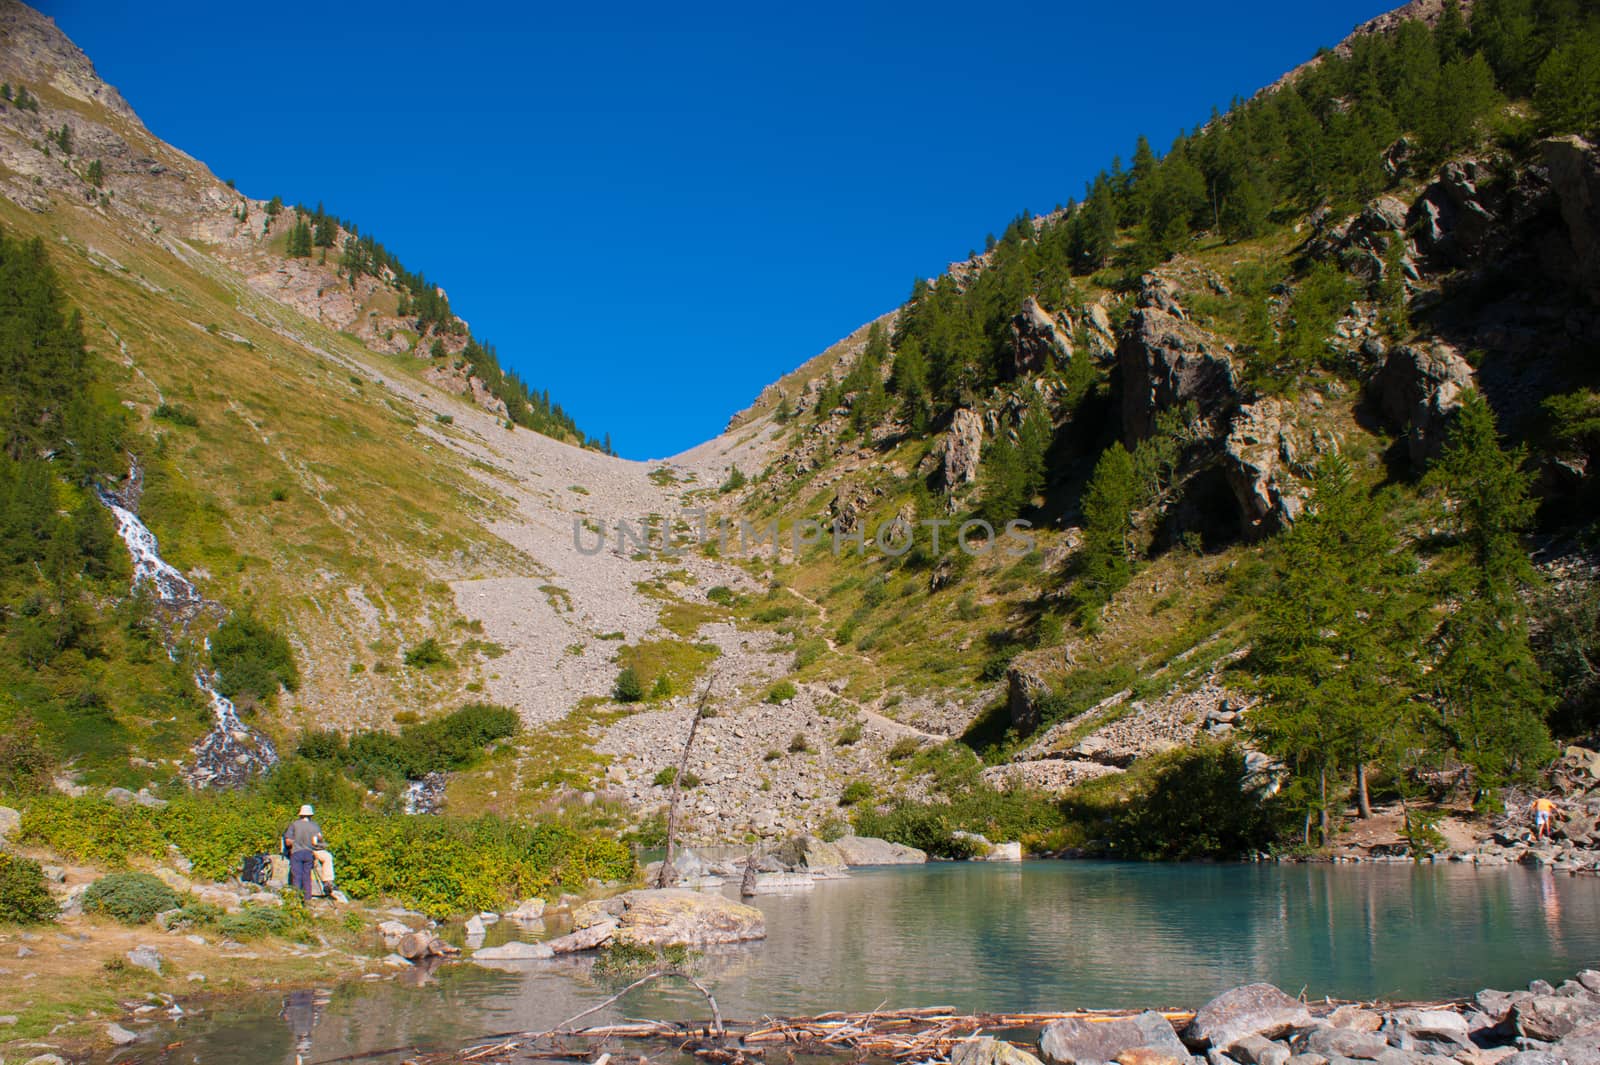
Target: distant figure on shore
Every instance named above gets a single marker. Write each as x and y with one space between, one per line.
1543 811
301 841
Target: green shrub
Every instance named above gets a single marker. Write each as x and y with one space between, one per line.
255 922
628 688
1192 809
132 898
903 748
849 736
808 650
427 655
251 659
24 899
854 792
781 692
721 593
798 744
439 865
177 415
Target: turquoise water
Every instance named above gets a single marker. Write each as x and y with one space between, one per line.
1033 937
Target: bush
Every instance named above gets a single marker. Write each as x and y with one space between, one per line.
176 415
251 659
848 736
132 898
904 747
439 865
854 792
24 899
255 922
798 744
721 593
25 762
427 655
781 692
808 650
628 688
1192 809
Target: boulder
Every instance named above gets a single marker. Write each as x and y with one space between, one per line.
1574 167
1418 391
10 822
1254 1009
1025 694
1258 1050
1552 1017
986 1051
1004 852
1167 362
1073 1040
1258 459
527 910
119 1035
514 951
980 844
679 917
475 926
415 945
810 854
1335 1043
585 938
961 450
121 796
1038 338
148 958
1439 1026
780 884
868 850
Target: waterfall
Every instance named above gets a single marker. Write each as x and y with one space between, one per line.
232 752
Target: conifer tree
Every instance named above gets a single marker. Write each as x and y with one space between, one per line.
1332 637
1106 561
1492 695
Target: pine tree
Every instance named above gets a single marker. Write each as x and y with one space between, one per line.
299 240
96 174
1567 89
1106 560
1330 643
1492 694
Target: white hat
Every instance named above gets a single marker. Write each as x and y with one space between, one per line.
306 811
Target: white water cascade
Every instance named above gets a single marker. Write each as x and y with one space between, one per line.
232 752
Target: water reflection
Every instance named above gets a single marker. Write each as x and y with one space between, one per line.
1041 936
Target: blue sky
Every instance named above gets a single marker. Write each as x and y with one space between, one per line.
655 210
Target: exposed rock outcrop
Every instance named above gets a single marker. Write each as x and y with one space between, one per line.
1166 362
961 450
1037 338
1259 457
1574 167
1025 691
1417 391
867 850
1453 219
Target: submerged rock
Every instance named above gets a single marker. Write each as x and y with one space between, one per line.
986 1051
514 951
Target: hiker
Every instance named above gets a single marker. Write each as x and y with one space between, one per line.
1543 811
302 839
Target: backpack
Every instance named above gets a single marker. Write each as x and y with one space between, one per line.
257 869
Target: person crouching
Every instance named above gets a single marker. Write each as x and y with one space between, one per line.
301 841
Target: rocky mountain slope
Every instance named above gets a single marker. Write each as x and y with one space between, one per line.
320 450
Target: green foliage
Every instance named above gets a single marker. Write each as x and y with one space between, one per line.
736 480
1421 831
255 922
26 762
799 744
1567 86
628 688
299 246
452 742
1568 646
24 898
252 659
1014 467
132 898
781 692
440 865
427 654
1491 693
176 415
1192 809
722 594
855 792
96 174
1335 635
1105 564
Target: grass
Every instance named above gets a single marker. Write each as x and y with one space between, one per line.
676 661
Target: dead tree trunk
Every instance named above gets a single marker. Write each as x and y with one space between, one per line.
668 873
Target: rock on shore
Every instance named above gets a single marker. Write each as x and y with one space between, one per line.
662 917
